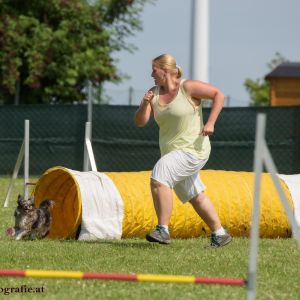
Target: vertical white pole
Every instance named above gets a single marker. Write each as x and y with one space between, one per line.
90 102
88 146
200 40
87 136
26 159
86 164
258 168
15 174
192 34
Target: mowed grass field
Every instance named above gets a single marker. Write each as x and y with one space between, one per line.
278 275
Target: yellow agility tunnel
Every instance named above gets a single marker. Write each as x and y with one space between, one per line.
125 209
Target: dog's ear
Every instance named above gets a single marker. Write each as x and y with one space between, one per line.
20 199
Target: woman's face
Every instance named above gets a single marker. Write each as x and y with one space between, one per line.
158 74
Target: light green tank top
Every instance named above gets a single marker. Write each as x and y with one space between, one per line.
180 123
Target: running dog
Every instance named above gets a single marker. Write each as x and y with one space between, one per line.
31 222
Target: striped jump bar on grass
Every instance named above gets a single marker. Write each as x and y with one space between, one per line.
125 277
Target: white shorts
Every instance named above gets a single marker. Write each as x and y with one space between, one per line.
179 170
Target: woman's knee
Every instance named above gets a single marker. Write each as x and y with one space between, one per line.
198 199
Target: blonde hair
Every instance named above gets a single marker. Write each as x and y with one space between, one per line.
168 62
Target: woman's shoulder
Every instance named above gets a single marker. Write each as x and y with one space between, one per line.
194 86
189 87
189 83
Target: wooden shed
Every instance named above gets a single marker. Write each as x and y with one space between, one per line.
285 84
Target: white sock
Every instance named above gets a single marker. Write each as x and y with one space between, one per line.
165 227
220 231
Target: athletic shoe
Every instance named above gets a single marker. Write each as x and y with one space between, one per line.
159 235
217 241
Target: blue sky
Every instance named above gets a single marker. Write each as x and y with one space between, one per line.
244 37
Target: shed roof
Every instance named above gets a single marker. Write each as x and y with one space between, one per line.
287 70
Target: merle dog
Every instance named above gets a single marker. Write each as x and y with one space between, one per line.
31 222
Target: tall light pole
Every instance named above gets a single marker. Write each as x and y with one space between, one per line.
199 62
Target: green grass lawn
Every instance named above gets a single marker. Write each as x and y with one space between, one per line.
278 274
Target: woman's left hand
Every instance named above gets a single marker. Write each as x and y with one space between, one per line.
208 129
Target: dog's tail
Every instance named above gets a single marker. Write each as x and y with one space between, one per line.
46 204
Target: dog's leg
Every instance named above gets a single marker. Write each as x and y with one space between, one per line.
21 234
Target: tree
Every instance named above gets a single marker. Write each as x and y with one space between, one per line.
51 49
259 89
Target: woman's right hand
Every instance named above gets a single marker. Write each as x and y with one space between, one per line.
143 114
148 97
